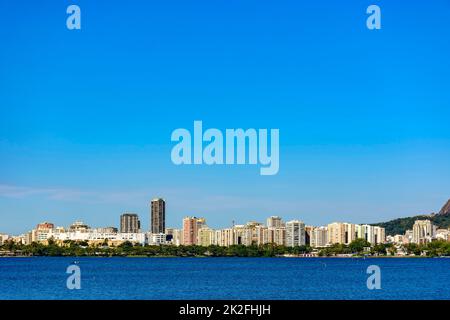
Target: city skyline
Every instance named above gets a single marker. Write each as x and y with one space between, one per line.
196 231
146 225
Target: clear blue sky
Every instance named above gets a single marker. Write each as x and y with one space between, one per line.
86 116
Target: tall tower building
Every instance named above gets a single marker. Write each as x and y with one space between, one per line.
129 223
423 231
295 233
158 215
191 225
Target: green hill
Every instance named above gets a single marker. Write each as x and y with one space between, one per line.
400 225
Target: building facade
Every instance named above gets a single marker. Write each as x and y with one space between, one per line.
191 225
129 223
158 215
423 231
295 233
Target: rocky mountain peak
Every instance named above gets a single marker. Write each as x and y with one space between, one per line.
445 211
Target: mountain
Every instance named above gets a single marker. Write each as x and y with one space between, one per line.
445 211
400 225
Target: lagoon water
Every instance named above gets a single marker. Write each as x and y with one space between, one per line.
224 278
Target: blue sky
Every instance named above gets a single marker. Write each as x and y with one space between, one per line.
86 116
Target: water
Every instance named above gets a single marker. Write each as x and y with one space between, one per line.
224 278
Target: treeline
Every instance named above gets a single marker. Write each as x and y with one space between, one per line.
432 249
81 248
360 247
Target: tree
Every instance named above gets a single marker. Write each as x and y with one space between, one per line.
358 245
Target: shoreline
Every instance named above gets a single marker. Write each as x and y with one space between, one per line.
254 257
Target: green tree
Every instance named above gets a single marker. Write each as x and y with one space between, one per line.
358 245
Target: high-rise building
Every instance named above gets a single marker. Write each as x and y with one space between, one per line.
129 223
318 237
342 232
277 236
158 215
224 237
295 233
336 233
191 225
274 222
239 235
379 235
262 235
423 231
309 234
206 236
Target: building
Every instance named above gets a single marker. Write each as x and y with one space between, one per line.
3 238
157 239
398 239
274 222
191 225
408 237
443 234
345 233
277 236
239 236
366 232
45 226
174 236
129 223
28 237
224 237
78 226
253 233
205 236
107 230
319 237
379 235
336 233
308 234
295 233
97 238
423 231
350 233
158 215
42 232
261 234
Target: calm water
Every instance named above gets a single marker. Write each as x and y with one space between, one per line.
224 278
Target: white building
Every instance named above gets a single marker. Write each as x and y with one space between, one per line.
176 235
319 237
443 234
423 231
295 233
93 235
372 234
156 239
